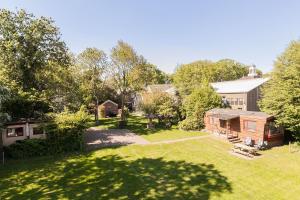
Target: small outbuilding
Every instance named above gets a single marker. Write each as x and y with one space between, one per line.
243 125
108 109
21 130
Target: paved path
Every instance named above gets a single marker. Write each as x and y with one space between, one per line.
95 138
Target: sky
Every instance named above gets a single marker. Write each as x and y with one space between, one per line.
172 32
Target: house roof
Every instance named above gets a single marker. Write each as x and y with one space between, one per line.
231 113
109 101
238 86
169 88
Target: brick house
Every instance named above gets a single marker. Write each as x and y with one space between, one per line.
239 124
21 130
110 108
244 93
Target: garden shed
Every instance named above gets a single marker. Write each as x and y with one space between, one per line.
258 126
21 130
108 109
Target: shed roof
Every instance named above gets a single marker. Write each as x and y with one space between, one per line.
109 101
231 113
238 86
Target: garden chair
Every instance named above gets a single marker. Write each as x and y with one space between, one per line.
248 141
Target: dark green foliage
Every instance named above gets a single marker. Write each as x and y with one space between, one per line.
281 95
25 105
27 148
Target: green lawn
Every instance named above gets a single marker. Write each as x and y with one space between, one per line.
194 169
138 125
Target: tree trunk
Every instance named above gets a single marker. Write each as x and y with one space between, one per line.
96 112
122 107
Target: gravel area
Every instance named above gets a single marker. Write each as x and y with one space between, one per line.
95 138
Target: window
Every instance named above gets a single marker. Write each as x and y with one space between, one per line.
236 101
250 125
229 101
223 123
14 132
37 131
241 101
273 128
212 120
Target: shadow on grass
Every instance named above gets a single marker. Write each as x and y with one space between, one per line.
114 177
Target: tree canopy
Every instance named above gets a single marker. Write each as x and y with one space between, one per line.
190 76
281 95
93 66
27 46
196 104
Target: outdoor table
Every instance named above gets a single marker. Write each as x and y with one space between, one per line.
245 148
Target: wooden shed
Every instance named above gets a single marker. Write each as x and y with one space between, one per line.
238 124
108 109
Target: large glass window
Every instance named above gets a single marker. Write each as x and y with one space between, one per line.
15 132
250 125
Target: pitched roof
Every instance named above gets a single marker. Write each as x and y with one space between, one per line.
235 113
109 101
238 86
160 88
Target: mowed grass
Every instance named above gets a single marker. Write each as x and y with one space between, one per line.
194 169
138 125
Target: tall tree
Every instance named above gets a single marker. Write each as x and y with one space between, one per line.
191 76
124 58
196 104
27 45
93 66
281 95
145 73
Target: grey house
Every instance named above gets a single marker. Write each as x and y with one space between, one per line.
244 93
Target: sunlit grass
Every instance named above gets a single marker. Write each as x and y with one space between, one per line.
194 169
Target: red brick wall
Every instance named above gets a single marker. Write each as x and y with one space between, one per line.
256 135
237 127
110 107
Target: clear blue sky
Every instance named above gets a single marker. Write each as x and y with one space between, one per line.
172 32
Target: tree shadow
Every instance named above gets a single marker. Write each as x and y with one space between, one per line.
114 177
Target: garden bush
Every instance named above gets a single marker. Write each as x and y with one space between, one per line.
65 133
190 124
27 148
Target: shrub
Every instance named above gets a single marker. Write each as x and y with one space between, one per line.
27 148
65 133
190 124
